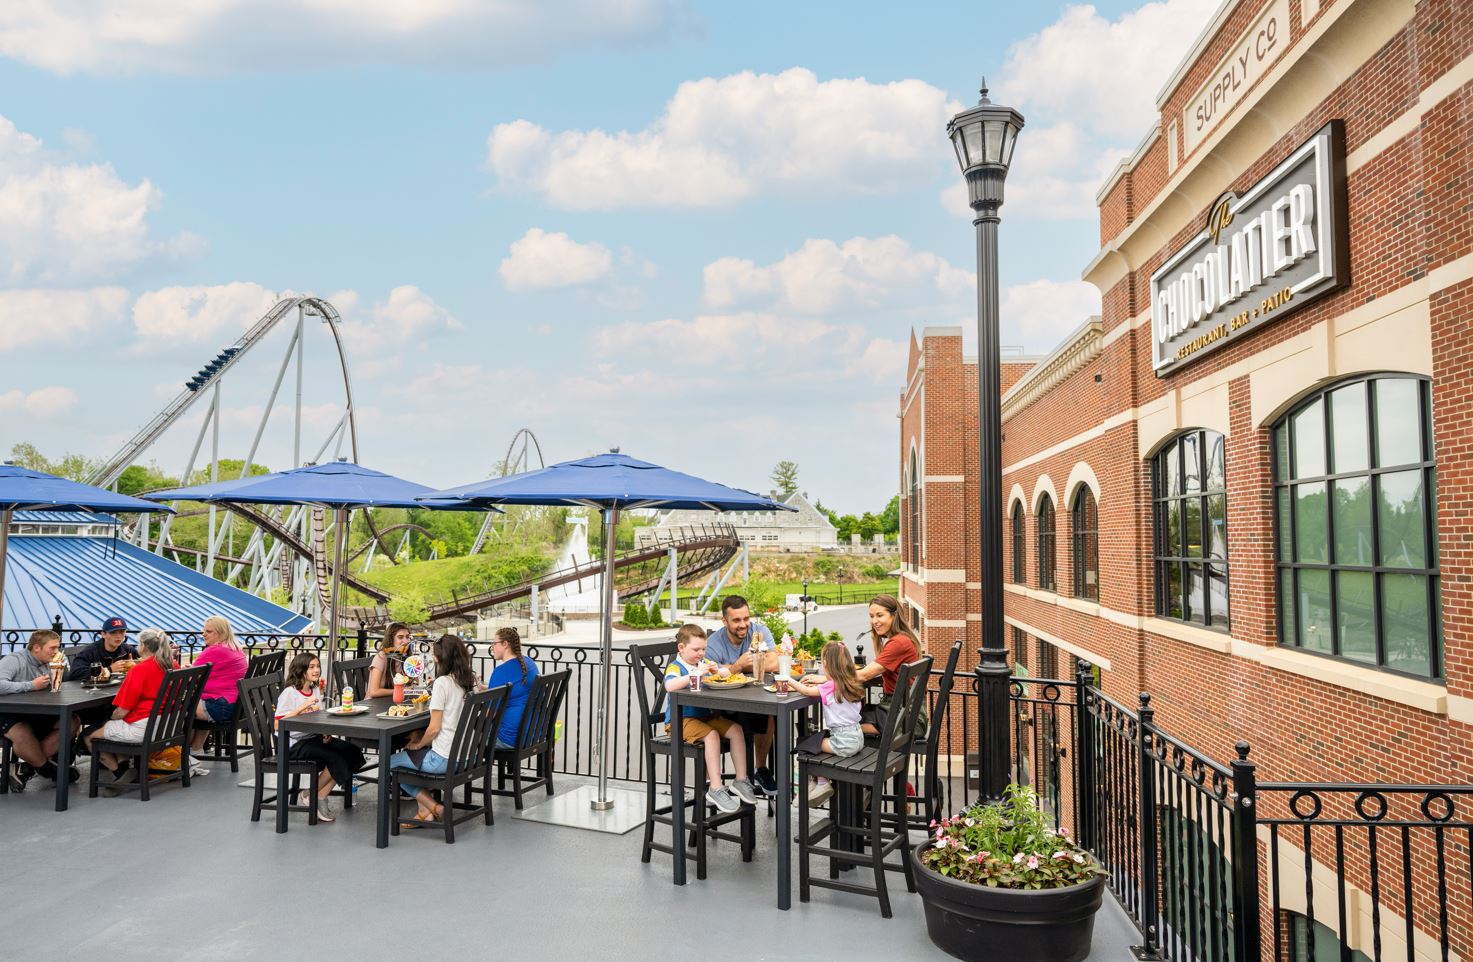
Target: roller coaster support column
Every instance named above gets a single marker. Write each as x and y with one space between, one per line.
339 558
674 584
532 628
602 802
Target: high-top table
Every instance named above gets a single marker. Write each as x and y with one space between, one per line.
73 698
362 728
755 700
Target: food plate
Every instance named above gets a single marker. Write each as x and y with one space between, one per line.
340 710
727 685
412 714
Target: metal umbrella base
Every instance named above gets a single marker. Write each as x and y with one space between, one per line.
575 809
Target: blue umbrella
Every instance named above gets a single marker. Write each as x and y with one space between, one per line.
22 489
612 483
339 485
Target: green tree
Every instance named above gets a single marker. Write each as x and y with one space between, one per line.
137 478
74 467
869 526
890 517
785 478
847 524
634 614
409 607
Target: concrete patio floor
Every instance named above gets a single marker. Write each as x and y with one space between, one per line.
188 876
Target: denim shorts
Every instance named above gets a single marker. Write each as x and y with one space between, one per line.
219 709
846 740
424 760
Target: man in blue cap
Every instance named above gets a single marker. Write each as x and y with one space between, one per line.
111 650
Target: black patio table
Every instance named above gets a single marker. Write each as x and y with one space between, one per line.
74 697
366 727
756 700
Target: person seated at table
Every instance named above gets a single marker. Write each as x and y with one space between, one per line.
391 650
730 647
134 700
111 651
699 726
895 645
300 696
33 737
842 695
428 751
222 686
514 669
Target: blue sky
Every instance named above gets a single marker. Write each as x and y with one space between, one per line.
698 231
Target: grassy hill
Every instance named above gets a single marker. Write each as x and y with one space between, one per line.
467 575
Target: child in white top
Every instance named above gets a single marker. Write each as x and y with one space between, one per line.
842 695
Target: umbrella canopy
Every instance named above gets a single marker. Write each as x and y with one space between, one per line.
25 489
335 484
610 480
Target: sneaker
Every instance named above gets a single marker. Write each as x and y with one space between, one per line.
23 774
723 800
120 774
304 799
324 813
73 776
742 789
197 770
48 771
765 784
819 793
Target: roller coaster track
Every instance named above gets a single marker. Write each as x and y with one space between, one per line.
700 549
285 535
358 551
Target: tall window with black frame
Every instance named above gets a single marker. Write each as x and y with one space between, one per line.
1086 544
1046 544
1019 562
1189 518
1355 494
913 516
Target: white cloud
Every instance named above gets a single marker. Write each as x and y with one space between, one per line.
68 221
725 338
212 36
540 260
410 314
720 140
863 273
57 317
46 402
199 314
1038 314
1103 74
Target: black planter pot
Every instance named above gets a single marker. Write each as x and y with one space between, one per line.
979 923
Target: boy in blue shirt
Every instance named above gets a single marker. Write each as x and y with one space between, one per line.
698 726
730 647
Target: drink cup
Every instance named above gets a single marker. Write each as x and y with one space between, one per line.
695 679
398 694
56 676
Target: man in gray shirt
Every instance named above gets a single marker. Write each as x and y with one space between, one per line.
730 646
34 737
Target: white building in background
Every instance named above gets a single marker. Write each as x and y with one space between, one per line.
806 529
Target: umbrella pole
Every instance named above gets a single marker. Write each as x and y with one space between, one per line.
602 802
339 547
5 517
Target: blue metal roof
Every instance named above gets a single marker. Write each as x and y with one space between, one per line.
62 517
83 581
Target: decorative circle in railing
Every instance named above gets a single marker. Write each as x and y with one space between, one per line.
1220 785
1199 772
1371 796
1300 796
1446 802
1051 692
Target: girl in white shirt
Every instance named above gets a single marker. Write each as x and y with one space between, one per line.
429 751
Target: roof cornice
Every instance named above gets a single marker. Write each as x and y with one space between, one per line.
1078 349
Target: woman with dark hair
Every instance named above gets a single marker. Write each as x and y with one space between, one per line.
518 671
429 751
394 647
895 645
300 696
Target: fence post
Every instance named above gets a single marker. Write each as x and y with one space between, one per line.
56 624
1247 934
1084 757
362 641
1146 843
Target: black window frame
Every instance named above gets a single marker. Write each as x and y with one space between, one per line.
1163 505
1284 504
1020 649
1020 560
913 519
1084 532
1045 532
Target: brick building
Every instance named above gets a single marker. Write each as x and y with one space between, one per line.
1243 488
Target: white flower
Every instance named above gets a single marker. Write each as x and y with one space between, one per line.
1018 859
1061 854
1078 859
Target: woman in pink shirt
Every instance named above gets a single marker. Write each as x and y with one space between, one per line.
227 667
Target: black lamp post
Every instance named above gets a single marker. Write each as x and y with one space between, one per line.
805 607
984 137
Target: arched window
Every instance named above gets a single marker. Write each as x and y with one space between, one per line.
1046 544
1019 571
1189 517
1086 545
1355 513
913 535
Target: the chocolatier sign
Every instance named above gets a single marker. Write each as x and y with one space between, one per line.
1260 257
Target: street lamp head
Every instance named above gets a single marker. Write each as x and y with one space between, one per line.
983 137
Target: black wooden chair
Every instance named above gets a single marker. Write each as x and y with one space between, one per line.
872 769
170 723
225 735
536 739
353 671
258 709
925 750
468 762
704 821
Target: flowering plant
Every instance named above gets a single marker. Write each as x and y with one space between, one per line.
1008 844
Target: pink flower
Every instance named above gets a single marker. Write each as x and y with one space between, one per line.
980 858
933 823
1018 859
1061 854
1064 832
1033 861
1078 859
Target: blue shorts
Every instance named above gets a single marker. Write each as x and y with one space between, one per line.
219 709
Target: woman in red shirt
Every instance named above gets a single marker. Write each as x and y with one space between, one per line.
895 645
135 697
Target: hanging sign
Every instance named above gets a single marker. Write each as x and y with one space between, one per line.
1259 257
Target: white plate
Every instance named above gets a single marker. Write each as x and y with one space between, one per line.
340 710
